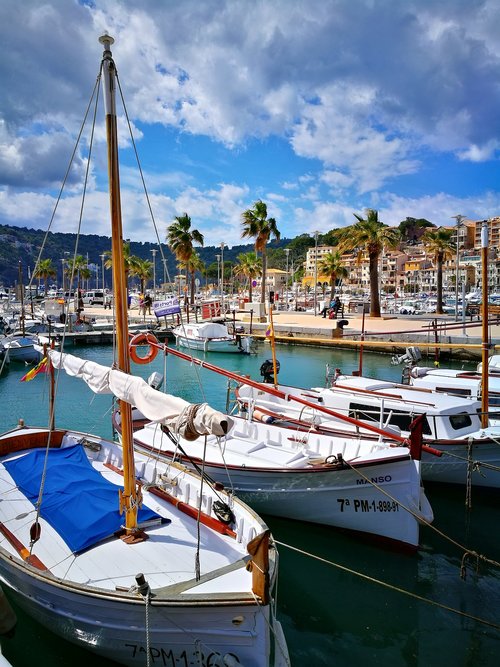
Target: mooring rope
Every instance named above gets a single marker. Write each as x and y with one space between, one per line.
469 552
392 587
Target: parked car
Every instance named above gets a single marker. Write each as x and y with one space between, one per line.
409 308
94 297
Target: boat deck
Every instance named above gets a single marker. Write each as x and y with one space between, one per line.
166 559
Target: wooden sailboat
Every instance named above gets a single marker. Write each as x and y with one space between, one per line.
366 486
369 408
135 560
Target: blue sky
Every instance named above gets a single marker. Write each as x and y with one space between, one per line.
321 108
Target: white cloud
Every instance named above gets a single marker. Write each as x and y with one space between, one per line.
366 93
440 208
480 153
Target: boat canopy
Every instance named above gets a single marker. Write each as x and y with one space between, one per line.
78 502
209 330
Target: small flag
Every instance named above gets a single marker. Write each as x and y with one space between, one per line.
39 368
269 331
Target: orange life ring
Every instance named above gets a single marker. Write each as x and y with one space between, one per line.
143 339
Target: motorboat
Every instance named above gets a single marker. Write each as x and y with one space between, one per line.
210 337
24 348
456 382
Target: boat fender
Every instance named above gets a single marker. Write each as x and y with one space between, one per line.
260 416
419 371
223 512
143 339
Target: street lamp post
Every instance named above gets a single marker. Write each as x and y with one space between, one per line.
102 265
222 275
459 219
218 273
295 287
164 259
287 252
153 252
316 272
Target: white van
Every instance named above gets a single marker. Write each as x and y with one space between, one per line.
94 297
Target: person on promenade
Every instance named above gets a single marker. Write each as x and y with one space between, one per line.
335 306
147 304
326 309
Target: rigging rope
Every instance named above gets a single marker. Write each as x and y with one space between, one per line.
35 534
146 193
198 523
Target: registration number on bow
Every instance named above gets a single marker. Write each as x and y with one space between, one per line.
367 505
160 656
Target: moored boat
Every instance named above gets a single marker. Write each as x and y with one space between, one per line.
368 407
348 483
23 348
210 337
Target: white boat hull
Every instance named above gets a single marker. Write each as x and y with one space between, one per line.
120 634
208 345
89 597
368 497
453 466
22 351
210 337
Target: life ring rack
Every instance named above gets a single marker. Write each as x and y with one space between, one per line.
144 339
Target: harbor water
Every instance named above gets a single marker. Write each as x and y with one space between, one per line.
342 601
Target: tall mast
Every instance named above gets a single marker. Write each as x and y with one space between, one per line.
485 332
129 498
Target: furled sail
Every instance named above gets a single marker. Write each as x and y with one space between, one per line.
183 417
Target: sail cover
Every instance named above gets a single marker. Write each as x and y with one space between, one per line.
78 502
154 405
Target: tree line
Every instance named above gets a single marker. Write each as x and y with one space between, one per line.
368 237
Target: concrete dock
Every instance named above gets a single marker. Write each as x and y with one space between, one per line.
389 333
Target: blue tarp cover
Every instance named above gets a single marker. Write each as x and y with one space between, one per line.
77 501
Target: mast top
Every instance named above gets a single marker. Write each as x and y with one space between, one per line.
106 40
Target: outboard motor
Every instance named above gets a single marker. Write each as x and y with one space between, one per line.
267 370
155 380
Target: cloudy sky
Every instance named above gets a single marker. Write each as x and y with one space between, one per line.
321 108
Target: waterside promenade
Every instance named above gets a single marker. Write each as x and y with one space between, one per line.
389 333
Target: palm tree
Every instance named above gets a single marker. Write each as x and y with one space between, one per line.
257 225
249 266
128 260
438 244
373 236
78 267
332 265
180 238
191 266
44 269
142 269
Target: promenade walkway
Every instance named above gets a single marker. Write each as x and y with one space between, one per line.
388 333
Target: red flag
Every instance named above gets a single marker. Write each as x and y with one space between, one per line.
39 368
